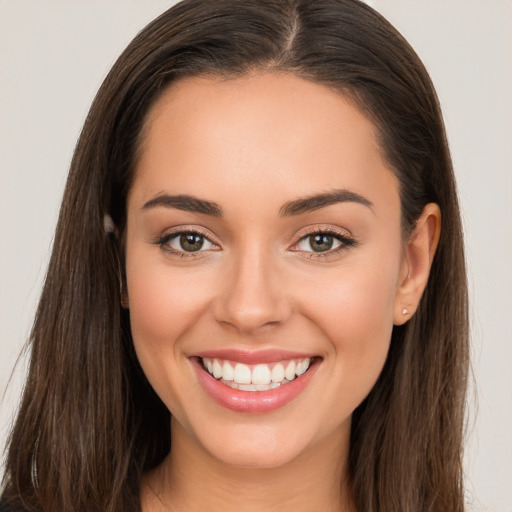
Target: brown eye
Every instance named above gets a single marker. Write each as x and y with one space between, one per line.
191 242
186 242
321 242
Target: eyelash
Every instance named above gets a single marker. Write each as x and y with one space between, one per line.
164 240
346 242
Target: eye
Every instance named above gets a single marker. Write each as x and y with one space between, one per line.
186 242
323 242
318 242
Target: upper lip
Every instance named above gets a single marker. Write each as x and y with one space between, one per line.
253 356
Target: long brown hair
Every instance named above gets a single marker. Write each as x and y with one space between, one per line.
89 424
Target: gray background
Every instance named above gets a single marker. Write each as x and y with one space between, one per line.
53 56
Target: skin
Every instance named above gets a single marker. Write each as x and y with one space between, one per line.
252 145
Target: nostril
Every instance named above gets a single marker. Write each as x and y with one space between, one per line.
249 297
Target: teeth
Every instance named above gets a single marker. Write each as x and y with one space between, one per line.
260 377
217 369
289 373
242 374
227 371
302 366
247 387
253 387
277 373
261 374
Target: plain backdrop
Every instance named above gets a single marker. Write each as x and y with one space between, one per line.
54 55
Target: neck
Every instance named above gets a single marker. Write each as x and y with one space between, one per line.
191 479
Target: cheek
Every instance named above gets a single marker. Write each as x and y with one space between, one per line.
163 304
354 311
152 303
164 300
354 303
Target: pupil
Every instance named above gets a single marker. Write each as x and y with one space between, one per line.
321 243
191 242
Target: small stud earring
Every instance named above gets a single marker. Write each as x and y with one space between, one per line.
405 311
108 224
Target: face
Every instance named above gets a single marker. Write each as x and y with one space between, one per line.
263 263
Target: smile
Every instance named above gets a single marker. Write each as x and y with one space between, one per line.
258 382
259 377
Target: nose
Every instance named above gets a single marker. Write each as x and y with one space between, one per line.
252 296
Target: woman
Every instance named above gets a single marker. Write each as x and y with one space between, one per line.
243 309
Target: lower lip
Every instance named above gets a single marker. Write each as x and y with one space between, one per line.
253 401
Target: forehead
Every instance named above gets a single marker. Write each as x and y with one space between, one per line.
271 134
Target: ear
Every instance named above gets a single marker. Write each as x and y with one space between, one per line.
416 263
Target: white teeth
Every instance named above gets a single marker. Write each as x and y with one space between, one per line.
289 373
247 387
242 374
227 371
253 387
277 373
302 366
261 374
217 369
256 378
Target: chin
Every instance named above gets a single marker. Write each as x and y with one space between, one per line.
258 446
255 457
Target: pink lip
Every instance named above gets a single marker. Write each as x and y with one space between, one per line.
253 357
253 401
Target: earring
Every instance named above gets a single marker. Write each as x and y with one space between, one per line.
110 228
405 311
108 224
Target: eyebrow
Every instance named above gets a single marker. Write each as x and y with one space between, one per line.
316 202
186 203
298 206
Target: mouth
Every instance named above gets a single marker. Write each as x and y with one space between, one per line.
256 377
255 383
